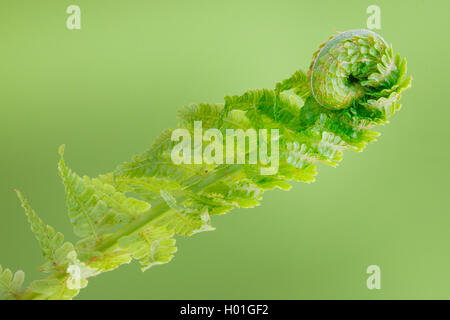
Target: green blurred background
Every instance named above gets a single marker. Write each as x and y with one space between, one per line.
108 89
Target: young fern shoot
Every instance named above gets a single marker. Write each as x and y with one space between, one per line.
353 84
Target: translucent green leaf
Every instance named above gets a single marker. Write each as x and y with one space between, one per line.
54 249
51 289
151 246
96 208
10 284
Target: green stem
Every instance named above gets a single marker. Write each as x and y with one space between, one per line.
161 207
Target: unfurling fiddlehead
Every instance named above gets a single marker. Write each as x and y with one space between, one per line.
354 83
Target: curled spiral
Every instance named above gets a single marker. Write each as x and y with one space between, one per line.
357 67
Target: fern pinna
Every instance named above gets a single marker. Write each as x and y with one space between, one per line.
354 83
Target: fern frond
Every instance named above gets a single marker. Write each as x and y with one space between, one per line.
151 246
10 284
96 208
135 212
54 249
50 289
299 82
